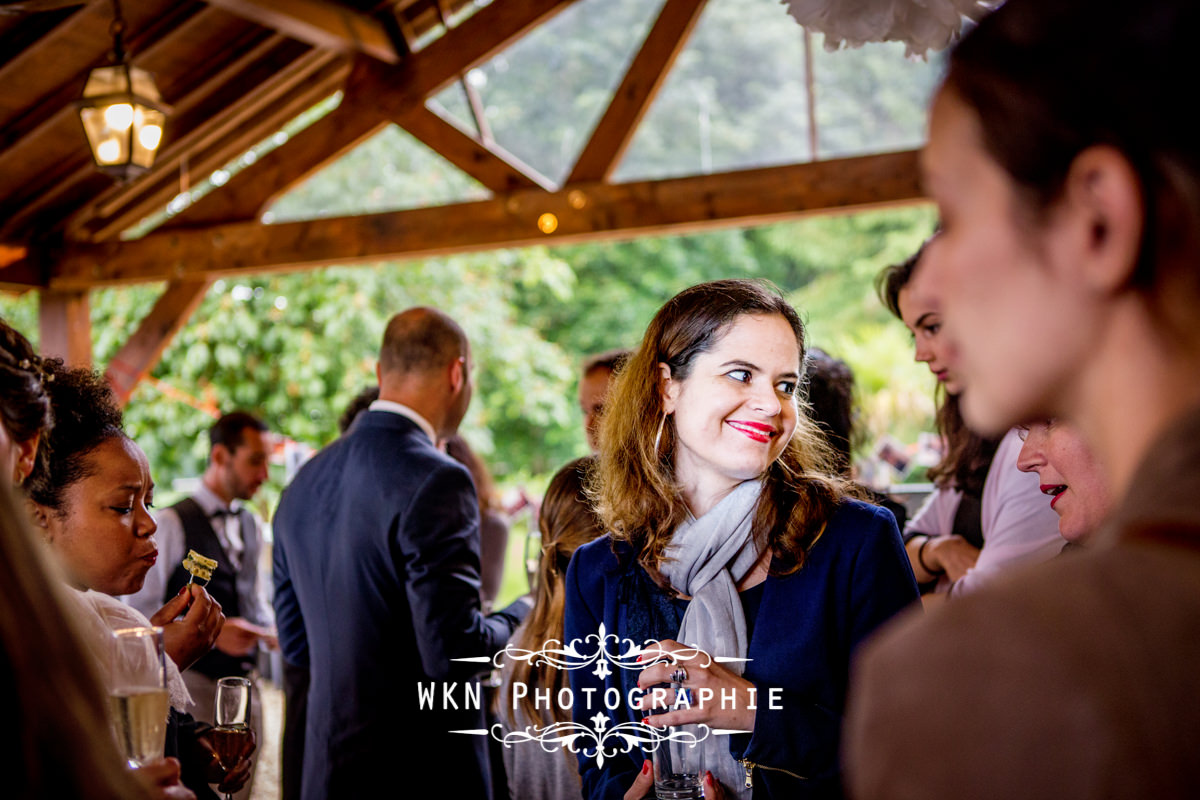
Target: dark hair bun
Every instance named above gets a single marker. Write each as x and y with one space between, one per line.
86 415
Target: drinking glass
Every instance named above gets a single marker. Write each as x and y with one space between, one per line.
679 767
232 739
137 689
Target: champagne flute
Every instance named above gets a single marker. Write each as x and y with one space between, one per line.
138 693
232 738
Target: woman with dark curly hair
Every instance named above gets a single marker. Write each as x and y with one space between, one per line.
729 531
91 503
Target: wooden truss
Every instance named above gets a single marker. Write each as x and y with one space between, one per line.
236 71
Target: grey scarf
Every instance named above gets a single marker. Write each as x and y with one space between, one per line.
706 559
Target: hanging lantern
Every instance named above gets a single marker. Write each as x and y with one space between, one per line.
122 112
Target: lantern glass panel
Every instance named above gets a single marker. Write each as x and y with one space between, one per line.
147 133
110 146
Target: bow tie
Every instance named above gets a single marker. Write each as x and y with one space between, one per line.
223 512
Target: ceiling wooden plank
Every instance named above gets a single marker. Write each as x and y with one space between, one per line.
11 255
583 213
141 352
249 191
69 190
374 93
495 168
30 58
321 24
20 275
80 42
637 91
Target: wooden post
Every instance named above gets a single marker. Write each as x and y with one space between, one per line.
144 348
65 325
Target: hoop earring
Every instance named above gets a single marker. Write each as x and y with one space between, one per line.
658 436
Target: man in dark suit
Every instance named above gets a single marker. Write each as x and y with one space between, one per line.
377 583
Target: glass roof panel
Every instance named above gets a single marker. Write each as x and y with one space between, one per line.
737 98
388 172
544 94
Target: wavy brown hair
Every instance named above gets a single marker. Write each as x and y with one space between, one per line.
567 522
634 486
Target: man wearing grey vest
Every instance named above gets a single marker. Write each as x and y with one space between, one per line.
215 523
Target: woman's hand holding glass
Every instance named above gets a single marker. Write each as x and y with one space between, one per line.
643 785
700 680
162 780
233 739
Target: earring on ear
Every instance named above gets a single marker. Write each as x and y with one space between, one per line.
658 436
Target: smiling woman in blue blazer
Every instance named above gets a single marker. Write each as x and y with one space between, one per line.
729 533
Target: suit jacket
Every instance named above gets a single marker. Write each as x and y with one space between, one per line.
808 625
1078 678
376 590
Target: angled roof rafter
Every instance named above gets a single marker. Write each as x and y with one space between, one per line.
496 169
637 90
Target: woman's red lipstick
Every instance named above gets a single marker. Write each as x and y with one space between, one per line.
757 431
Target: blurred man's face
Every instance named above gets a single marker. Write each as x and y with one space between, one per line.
593 388
244 469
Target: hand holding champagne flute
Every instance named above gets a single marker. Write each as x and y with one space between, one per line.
138 694
233 739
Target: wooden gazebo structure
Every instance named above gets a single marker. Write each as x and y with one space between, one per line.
236 71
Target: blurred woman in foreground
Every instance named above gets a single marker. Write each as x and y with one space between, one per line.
1069 189
51 700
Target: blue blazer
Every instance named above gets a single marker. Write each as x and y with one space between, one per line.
808 625
376 563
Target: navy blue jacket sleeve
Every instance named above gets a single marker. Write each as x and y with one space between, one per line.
293 642
438 545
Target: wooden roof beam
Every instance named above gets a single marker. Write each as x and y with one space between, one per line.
586 212
495 168
18 273
145 347
637 91
321 24
374 94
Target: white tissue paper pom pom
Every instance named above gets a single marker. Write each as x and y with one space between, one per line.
922 25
